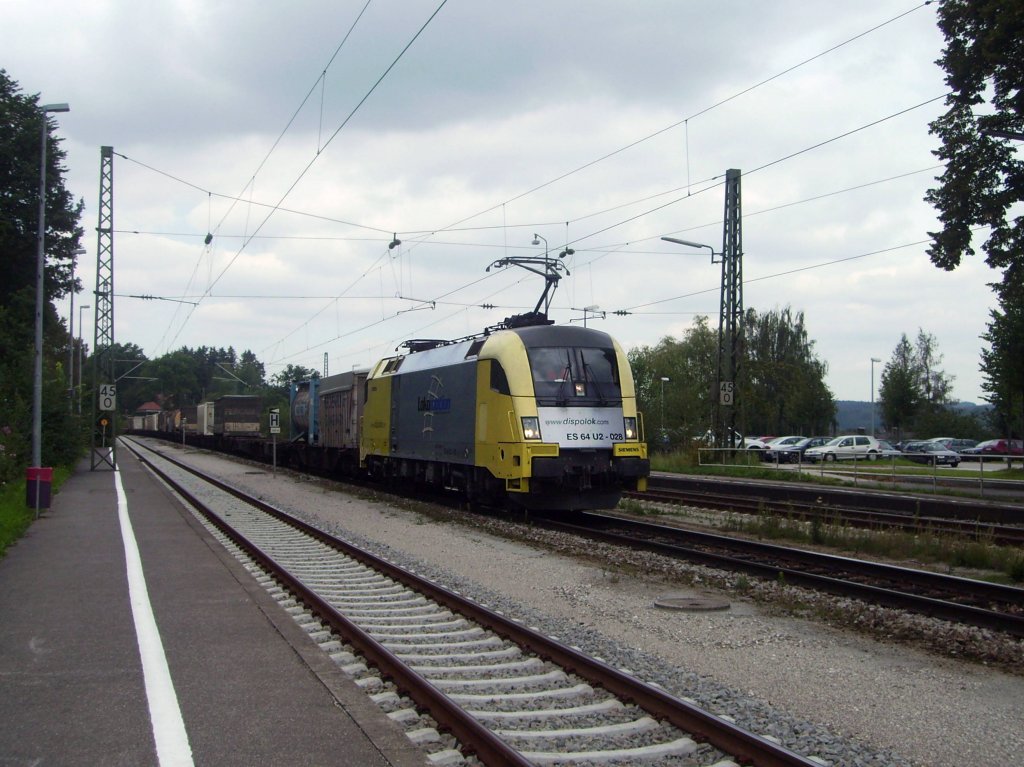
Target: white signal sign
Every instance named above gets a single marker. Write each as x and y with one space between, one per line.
726 392
108 397
275 421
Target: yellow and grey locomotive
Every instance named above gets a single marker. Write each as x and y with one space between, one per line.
544 416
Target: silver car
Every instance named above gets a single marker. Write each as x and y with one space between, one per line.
846 446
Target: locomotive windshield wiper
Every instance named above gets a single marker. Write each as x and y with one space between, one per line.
566 377
591 378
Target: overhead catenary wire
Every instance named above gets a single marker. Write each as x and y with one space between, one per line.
685 120
333 136
536 224
312 161
705 110
608 248
453 227
279 208
707 187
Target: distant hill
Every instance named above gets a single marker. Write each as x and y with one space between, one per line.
852 415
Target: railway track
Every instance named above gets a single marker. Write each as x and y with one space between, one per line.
972 529
972 602
507 693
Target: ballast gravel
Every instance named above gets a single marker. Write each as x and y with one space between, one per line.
837 695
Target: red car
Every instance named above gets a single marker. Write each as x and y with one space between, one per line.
996 447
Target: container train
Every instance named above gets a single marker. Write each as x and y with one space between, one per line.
540 417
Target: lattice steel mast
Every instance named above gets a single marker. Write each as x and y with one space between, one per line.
104 436
730 316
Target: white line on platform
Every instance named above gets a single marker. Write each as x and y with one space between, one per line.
172 747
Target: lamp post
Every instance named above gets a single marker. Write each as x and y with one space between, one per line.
536 241
873 361
71 331
37 380
79 387
663 380
692 245
730 321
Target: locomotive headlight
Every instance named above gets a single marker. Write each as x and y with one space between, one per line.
630 424
531 427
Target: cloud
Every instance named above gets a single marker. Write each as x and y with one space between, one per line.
485 132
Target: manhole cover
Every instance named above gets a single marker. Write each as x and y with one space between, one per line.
690 602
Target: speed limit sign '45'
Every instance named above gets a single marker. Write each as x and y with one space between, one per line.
108 397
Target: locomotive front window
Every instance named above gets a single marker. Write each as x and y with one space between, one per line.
552 365
601 365
566 374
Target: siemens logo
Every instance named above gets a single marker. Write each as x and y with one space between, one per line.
428 405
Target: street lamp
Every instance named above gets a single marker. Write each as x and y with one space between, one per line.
37 380
536 241
79 387
730 330
71 331
663 380
693 245
873 361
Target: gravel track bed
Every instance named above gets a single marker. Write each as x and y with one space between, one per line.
844 697
593 736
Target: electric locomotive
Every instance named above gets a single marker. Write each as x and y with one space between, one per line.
543 416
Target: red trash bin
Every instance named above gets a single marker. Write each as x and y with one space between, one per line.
37 486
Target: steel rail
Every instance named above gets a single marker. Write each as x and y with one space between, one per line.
491 749
742 744
865 499
1011 623
745 504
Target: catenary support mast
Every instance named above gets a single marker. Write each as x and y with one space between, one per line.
730 315
104 399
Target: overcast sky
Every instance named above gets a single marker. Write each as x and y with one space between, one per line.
598 125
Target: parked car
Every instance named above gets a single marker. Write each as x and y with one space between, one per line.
911 445
775 444
752 443
996 447
931 453
793 452
846 446
708 438
954 444
886 450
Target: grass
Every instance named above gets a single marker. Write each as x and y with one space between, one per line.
15 516
1005 563
746 464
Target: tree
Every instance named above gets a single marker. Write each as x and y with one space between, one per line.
251 370
898 393
934 386
685 398
132 387
23 125
915 392
783 388
1003 366
984 177
177 377
292 373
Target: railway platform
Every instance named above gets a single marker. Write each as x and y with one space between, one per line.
129 636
